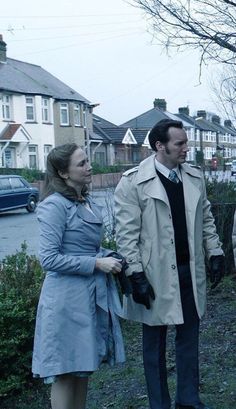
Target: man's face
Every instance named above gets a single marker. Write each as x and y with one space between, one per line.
173 153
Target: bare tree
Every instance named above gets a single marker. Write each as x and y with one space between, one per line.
224 87
207 25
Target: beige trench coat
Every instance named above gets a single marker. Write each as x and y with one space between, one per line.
145 236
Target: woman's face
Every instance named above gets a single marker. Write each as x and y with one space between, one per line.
79 171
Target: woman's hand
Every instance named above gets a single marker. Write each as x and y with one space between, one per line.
108 265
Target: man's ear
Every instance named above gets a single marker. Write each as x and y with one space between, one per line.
159 146
63 175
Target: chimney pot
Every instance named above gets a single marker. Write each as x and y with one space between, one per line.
201 113
184 110
3 50
160 103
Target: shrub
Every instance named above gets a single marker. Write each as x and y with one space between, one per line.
20 282
97 169
31 175
222 196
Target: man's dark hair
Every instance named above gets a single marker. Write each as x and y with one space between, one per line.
160 131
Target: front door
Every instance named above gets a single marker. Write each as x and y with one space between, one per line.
9 158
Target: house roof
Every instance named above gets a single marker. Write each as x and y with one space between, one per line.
24 78
103 123
146 120
201 124
102 133
140 135
116 134
15 133
9 131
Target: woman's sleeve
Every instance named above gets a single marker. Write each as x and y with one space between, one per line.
52 223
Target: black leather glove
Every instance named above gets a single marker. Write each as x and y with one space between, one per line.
217 268
124 281
142 289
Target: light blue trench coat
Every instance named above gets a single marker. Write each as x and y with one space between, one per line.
78 304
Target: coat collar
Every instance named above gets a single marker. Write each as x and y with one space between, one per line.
155 189
147 170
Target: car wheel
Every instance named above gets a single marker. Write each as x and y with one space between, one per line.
31 206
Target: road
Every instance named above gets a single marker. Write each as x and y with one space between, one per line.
18 226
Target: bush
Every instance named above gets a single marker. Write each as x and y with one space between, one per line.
31 175
97 169
20 282
222 196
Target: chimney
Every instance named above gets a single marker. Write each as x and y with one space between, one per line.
228 123
201 113
160 103
184 110
215 119
3 50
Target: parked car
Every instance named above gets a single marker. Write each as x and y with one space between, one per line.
233 168
16 193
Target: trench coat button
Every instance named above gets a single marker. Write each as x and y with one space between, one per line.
170 217
173 266
172 241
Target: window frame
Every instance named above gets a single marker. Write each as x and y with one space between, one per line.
32 106
6 106
77 113
45 109
33 154
64 107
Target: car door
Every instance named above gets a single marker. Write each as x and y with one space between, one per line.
6 193
20 192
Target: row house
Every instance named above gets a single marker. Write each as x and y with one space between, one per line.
208 135
121 145
37 112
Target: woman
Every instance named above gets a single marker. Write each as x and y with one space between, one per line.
77 324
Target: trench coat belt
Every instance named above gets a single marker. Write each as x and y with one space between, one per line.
101 291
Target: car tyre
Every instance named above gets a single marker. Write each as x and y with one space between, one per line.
31 206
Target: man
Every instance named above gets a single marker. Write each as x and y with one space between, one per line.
164 230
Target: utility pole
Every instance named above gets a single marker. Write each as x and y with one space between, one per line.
87 141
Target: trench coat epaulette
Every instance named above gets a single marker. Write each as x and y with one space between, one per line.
195 167
130 171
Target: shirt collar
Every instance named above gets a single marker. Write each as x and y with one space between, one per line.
165 171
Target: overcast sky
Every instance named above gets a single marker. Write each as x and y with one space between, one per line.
102 49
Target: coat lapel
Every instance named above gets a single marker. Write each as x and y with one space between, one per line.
191 195
93 216
152 186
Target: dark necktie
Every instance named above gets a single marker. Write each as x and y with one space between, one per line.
173 176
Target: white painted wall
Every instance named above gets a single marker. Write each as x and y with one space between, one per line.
41 133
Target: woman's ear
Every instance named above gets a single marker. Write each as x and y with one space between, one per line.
63 175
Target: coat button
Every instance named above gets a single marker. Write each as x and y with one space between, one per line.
173 266
170 216
172 241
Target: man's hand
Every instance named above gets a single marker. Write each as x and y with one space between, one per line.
142 289
217 269
125 284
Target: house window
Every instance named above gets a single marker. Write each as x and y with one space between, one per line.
64 114
30 109
45 110
33 156
6 107
77 115
46 150
99 158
